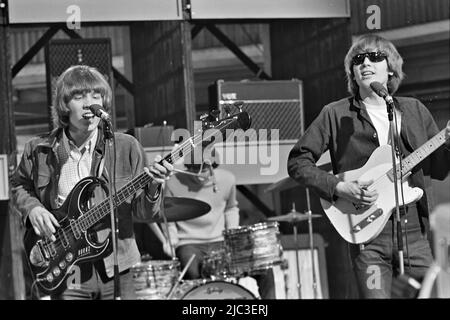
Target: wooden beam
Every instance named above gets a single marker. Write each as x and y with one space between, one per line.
256 201
237 51
196 30
11 269
34 50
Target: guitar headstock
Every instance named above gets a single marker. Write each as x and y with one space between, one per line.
239 119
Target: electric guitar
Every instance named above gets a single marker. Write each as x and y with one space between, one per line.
51 263
361 224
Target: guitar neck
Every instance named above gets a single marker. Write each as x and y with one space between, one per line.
94 215
421 153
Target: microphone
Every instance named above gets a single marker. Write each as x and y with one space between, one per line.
98 111
381 91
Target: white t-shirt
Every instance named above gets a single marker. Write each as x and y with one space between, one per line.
379 116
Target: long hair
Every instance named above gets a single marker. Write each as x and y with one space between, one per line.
371 42
75 80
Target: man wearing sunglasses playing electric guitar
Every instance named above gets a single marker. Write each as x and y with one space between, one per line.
353 130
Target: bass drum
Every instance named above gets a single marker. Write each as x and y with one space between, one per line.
218 290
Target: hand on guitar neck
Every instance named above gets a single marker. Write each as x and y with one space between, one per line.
159 172
356 192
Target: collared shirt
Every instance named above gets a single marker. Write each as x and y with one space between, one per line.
75 164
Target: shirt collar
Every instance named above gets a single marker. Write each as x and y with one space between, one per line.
89 144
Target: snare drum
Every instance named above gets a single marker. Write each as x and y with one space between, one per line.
253 248
153 279
217 290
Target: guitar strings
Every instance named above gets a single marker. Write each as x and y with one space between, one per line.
57 244
431 145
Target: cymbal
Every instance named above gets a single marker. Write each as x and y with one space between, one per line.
294 216
180 209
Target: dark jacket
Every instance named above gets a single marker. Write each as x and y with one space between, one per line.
35 183
345 129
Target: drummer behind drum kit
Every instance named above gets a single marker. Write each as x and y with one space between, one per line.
247 251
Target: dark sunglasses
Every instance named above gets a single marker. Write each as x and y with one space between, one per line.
373 57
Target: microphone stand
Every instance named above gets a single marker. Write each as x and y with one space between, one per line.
110 141
311 244
296 254
390 110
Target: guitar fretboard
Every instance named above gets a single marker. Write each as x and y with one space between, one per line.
420 154
95 214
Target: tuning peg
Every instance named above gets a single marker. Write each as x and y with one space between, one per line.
238 105
227 110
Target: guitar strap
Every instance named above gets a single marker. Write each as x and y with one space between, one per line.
101 167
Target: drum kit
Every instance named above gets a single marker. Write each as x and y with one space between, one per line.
246 251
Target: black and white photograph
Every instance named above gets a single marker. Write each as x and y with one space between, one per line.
229 158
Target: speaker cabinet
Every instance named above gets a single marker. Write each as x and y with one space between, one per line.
274 104
61 54
286 277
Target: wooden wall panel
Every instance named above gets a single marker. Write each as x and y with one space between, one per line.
163 73
11 272
313 51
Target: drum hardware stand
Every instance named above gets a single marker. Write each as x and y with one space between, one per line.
296 254
111 142
311 243
172 291
172 249
285 267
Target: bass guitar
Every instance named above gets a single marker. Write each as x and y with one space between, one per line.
52 262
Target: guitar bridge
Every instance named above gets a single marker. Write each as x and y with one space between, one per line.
365 222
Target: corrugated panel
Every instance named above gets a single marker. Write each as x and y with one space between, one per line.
22 39
241 34
163 87
312 51
398 13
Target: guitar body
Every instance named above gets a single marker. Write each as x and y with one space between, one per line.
360 225
52 262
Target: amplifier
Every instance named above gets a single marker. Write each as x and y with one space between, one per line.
272 104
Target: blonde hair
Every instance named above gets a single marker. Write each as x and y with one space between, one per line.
75 80
367 43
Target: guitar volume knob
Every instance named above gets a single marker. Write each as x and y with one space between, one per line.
56 271
69 257
49 277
